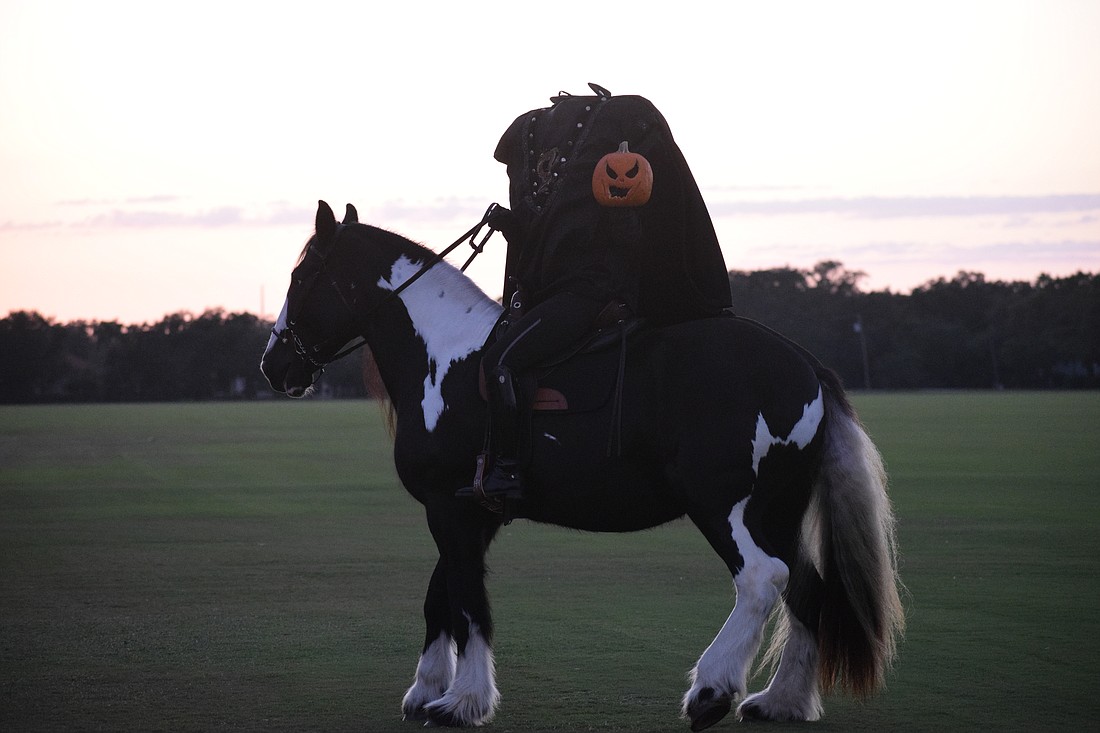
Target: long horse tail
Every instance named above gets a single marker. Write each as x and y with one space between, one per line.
852 524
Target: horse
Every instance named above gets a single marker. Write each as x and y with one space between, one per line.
720 420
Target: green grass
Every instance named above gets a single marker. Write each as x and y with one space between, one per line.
256 567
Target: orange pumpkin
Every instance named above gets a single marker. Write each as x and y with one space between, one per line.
622 178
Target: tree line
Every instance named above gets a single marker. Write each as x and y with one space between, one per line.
959 333
182 357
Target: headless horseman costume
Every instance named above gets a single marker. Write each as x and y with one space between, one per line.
571 259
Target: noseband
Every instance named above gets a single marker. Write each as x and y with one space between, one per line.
309 354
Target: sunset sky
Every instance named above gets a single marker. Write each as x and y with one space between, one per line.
157 157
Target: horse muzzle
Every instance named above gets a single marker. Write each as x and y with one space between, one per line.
287 374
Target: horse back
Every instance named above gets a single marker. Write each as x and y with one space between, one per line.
727 365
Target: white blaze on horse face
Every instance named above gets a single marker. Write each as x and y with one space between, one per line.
280 324
801 434
450 315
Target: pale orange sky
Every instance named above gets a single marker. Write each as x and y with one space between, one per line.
156 159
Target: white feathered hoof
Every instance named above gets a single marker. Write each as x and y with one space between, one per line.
707 708
417 699
414 713
452 711
763 706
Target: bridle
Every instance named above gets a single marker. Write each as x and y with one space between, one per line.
311 354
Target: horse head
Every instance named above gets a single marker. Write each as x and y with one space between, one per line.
318 316
353 281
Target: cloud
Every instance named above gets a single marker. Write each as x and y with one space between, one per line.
165 212
155 212
169 211
880 207
153 219
154 199
906 263
436 210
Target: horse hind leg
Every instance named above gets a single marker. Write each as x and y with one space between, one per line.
720 677
794 691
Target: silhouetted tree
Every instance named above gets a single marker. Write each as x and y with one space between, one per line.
962 332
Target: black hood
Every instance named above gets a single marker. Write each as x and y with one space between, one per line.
551 154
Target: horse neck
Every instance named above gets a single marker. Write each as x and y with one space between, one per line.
449 318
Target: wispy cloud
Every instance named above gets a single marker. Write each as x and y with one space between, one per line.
169 211
436 210
153 219
154 199
172 212
1084 251
880 207
155 212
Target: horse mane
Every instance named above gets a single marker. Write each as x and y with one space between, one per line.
376 389
423 254
305 249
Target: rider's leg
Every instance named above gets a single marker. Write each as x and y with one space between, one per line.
548 329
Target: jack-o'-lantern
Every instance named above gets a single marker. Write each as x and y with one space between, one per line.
622 178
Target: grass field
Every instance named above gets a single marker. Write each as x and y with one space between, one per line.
256 567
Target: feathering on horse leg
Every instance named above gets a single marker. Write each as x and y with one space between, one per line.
792 693
435 671
472 698
435 668
720 677
463 535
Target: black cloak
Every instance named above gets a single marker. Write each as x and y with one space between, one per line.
663 258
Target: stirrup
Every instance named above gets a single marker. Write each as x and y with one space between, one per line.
477 491
502 482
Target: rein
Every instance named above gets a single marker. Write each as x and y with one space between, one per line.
307 354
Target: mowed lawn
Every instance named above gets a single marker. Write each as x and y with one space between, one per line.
255 566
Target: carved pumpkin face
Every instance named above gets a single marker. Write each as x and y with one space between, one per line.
622 178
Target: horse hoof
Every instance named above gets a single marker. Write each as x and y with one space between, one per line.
417 715
438 719
751 711
707 709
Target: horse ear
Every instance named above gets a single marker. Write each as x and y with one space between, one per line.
326 221
351 216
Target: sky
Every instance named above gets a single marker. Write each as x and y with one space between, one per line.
158 158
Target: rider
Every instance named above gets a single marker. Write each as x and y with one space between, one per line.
571 259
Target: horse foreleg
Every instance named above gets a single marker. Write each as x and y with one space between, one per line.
720 677
471 698
435 669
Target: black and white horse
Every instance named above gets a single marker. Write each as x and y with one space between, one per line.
719 420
